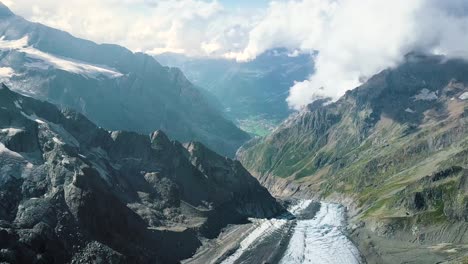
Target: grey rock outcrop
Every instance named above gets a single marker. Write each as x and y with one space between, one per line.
73 192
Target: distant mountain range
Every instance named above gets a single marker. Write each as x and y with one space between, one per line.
253 93
109 84
394 150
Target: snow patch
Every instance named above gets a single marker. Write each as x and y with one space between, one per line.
13 44
33 118
5 151
17 104
44 60
263 229
425 95
65 160
11 131
69 65
321 240
6 72
58 141
299 207
464 96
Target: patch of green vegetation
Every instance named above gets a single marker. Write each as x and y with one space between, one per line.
434 216
459 158
257 126
375 163
376 207
320 160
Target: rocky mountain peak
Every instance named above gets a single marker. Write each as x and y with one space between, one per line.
5 11
159 139
72 189
396 146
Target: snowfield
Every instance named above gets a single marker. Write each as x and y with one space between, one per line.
464 96
6 72
320 240
41 60
11 131
425 95
4 151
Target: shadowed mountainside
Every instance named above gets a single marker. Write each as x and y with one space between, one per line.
73 192
115 88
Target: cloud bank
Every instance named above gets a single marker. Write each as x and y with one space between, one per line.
358 38
193 27
354 38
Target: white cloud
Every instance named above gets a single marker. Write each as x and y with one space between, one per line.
355 38
292 24
359 38
194 27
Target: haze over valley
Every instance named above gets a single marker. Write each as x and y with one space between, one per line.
221 131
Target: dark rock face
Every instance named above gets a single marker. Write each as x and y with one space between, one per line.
443 194
73 192
113 87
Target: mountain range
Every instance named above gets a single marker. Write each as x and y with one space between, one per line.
107 156
71 192
394 150
114 87
253 93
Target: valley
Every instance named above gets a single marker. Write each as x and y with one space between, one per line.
252 94
225 138
312 233
402 174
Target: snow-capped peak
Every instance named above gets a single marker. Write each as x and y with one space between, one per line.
42 60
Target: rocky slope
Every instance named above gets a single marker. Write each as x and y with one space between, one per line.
73 192
252 93
395 150
115 88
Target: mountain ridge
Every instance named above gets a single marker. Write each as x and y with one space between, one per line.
5 11
394 150
114 87
73 192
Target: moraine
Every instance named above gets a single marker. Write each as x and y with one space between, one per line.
315 235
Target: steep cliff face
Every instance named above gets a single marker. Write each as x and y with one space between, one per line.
394 149
73 192
112 86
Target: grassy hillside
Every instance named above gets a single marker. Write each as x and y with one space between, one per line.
397 146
